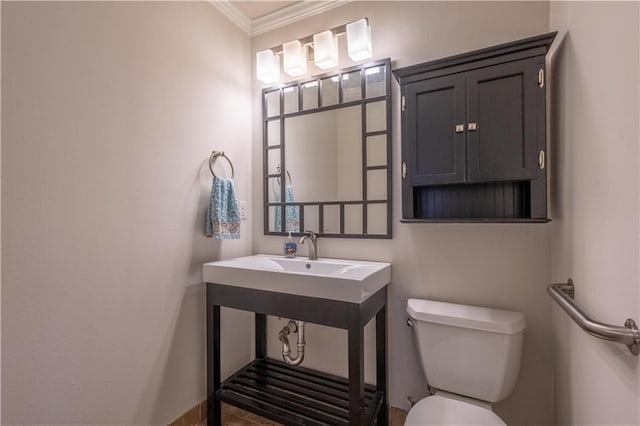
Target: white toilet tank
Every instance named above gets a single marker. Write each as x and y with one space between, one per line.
468 350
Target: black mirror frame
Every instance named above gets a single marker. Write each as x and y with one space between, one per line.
364 202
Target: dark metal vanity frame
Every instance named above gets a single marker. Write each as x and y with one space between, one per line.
297 395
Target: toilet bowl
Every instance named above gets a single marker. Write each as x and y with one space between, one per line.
439 410
470 356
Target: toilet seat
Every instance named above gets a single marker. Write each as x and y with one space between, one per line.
441 411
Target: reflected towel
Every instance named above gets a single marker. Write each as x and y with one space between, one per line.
223 212
292 213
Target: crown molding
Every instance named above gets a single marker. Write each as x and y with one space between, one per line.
233 14
291 14
285 16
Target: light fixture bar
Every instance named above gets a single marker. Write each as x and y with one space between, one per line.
308 40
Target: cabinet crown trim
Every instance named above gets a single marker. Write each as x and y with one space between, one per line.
536 45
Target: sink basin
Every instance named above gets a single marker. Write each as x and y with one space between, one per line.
306 266
335 279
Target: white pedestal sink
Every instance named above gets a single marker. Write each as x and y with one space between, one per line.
336 279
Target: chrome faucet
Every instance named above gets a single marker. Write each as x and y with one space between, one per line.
313 247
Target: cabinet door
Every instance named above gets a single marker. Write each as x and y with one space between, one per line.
502 103
434 152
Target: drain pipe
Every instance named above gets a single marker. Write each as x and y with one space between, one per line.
292 327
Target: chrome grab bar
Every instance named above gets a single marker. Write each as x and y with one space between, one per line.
628 335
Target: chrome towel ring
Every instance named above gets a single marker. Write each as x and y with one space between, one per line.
219 154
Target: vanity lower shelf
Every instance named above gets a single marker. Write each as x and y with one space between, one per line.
295 395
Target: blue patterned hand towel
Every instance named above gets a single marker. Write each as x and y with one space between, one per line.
223 213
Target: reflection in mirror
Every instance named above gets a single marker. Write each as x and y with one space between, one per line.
291 213
273 103
331 219
324 151
377 219
327 154
353 219
292 219
376 185
274 190
376 116
273 160
351 87
290 99
377 150
273 132
272 219
330 94
312 219
310 95
375 81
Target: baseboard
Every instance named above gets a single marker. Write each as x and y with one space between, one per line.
195 416
397 416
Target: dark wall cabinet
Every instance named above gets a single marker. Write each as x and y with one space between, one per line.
473 135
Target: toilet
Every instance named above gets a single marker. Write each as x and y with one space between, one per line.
470 356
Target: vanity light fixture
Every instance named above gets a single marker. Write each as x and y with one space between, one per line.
267 66
359 40
325 51
294 58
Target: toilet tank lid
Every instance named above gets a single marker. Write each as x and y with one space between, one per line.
473 317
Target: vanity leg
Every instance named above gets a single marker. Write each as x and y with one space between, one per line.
382 380
261 336
356 365
214 414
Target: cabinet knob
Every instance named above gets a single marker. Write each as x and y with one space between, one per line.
473 127
541 160
459 128
404 170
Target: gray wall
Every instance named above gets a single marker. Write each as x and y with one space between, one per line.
502 266
595 210
110 112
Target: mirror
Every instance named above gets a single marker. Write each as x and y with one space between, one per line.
327 154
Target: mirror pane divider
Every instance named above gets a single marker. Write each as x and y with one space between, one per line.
363 95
